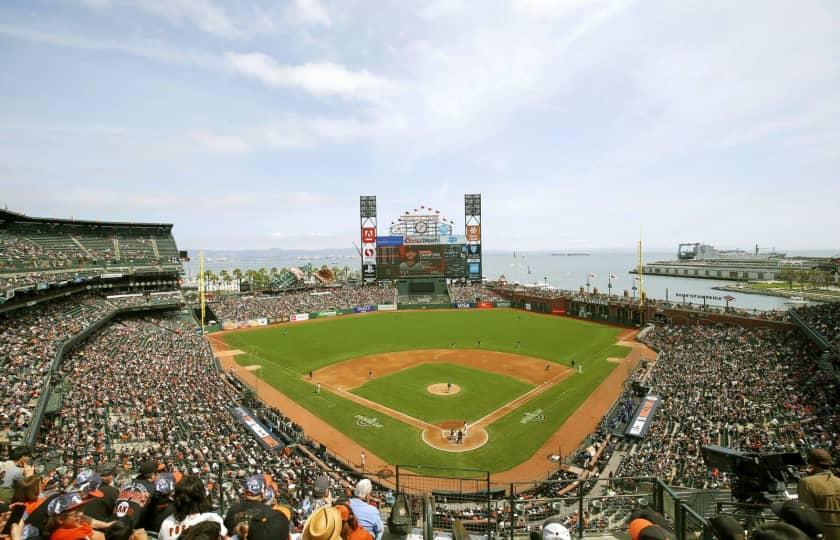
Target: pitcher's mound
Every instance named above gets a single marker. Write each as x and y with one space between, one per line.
443 389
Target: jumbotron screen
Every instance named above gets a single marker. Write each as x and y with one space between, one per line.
422 260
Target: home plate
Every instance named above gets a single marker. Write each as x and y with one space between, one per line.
226 354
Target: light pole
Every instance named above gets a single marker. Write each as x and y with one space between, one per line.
634 291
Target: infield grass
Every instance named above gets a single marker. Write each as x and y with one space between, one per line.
287 352
481 392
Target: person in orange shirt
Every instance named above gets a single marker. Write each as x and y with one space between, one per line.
350 528
67 521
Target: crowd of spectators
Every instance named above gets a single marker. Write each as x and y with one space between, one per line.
148 388
29 340
747 389
281 306
146 299
825 319
472 292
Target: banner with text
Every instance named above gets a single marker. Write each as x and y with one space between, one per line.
643 418
247 419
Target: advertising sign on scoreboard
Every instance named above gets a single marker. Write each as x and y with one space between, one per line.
369 252
473 233
389 241
474 269
368 235
369 271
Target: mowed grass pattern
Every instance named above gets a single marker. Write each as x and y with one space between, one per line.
406 391
287 352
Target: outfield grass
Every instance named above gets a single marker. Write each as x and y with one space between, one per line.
481 392
289 351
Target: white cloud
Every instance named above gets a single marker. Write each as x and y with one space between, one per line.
149 49
318 78
203 14
311 12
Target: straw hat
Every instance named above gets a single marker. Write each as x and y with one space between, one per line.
323 524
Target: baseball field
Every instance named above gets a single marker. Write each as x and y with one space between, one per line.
400 384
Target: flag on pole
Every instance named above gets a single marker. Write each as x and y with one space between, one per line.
592 275
613 276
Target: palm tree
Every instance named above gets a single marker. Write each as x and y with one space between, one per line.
225 276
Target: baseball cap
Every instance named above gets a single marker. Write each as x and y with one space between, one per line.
256 485
819 457
322 484
87 483
150 466
66 502
555 531
270 525
165 483
651 515
801 516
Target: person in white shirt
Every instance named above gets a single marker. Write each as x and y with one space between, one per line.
191 507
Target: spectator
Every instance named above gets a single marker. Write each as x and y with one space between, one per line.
191 507
367 514
821 491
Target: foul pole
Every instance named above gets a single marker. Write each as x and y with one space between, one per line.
640 271
201 297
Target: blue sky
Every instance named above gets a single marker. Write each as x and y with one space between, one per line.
258 124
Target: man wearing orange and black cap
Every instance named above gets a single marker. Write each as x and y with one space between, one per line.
821 490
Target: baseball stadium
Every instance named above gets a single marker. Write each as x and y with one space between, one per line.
449 405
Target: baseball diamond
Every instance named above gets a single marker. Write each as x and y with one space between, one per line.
517 394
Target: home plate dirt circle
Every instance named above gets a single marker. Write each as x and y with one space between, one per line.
443 389
443 436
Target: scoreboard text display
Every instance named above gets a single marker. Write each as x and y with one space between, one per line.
431 260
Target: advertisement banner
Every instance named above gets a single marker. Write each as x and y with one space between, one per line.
363 309
368 235
297 317
389 241
473 251
474 270
386 307
558 311
502 303
262 321
643 418
485 305
473 233
249 421
420 240
528 307
369 253
453 239
369 271
462 305
327 313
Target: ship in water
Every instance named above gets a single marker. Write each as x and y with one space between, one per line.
704 261
704 252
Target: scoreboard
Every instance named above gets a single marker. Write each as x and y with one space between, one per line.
421 260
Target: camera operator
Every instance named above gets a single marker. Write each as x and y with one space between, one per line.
821 490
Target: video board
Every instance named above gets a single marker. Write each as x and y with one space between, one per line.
421 260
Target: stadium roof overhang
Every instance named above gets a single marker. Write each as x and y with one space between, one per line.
9 216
